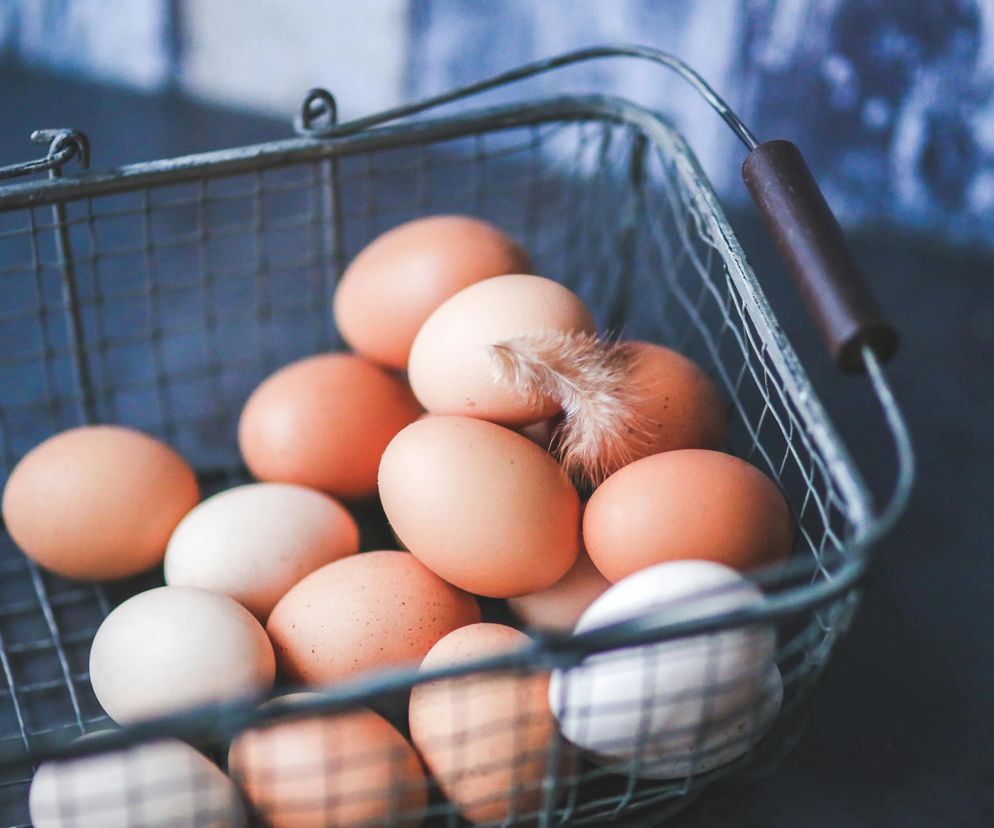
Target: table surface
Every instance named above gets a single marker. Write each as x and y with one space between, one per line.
903 733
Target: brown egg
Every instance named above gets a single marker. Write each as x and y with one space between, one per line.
480 505
397 280
560 606
323 422
98 502
450 368
679 405
690 503
488 738
331 770
376 609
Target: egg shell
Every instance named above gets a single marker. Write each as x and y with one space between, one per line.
323 422
668 709
324 771
376 609
403 275
254 542
560 606
153 784
450 366
98 502
675 400
176 647
480 505
690 503
488 738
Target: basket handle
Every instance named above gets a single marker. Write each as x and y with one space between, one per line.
812 244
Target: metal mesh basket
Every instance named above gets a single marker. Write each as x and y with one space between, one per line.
159 295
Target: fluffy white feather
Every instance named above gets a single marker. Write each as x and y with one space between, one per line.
588 377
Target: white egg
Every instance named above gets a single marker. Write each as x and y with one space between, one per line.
679 707
163 784
176 647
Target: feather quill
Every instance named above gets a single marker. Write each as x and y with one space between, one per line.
601 429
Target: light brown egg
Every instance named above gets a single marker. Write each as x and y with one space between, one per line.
690 503
560 606
488 738
98 502
323 422
399 278
480 505
330 771
677 402
376 609
254 542
450 367
176 647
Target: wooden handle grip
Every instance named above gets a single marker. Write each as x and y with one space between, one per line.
812 244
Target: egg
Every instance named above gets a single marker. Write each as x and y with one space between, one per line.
98 502
677 707
161 784
480 505
176 647
560 606
450 367
330 771
367 611
254 542
488 738
690 503
323 422
677 404
399 278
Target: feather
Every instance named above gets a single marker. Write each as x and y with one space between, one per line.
601 429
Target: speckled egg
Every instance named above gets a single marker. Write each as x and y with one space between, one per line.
376 609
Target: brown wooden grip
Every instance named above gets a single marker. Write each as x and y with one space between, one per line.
811 242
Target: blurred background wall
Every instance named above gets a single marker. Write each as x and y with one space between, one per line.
892 101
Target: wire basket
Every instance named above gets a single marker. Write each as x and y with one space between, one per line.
159 295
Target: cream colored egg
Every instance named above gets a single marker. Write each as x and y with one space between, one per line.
450 368
176 647
254 542
163 784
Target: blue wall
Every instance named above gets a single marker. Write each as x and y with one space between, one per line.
891 100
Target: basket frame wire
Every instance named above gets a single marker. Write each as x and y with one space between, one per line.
654 132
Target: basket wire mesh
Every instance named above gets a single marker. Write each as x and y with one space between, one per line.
160 295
